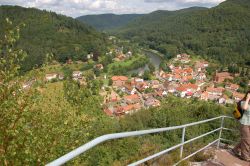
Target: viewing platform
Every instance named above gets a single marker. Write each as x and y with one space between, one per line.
220 152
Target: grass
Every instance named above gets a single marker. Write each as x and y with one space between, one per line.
125 63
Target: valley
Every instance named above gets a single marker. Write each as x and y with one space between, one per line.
66 81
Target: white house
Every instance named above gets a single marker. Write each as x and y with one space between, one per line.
51 76
77 74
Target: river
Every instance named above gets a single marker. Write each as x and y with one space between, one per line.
154 58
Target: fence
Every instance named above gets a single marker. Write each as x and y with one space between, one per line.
107 137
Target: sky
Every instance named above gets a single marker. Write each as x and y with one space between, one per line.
75 8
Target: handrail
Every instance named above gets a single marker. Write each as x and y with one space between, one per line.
107 137
172 148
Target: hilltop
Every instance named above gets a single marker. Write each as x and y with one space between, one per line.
220 33
47 32
108 21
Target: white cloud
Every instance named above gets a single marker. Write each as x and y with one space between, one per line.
82 7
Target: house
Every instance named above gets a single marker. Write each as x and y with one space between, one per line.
238 96
223 99
177 70
184 58
147 95
187 89
134 81
183 55
121 57
201 65
119 111
119 49
200 83
157 86
119 81
177 77
128 109
112 37
131 99
152 102
221 77
230 101
51 76
192 87
187 71
112 97
161 93
204 96
232 87
28 84
129 89
128 54
200 76
138 80
168 77
213 97
215 91
186 78
141 86
171 88
82 81
197 94
89 56
171 67
182 91
60 76
154 84
99 66
77 75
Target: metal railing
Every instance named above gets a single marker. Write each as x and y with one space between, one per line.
107 137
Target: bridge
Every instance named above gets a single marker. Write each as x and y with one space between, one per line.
223 157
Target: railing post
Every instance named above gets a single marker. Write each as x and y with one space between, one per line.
221 128
182 141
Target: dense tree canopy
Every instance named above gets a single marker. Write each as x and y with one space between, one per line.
221 33
47 32
108 21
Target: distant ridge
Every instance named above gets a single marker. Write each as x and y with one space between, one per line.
108 21
221 33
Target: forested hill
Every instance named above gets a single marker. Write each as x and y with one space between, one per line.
108 21
221 32
47 32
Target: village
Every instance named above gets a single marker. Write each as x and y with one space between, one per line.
185 78
184 82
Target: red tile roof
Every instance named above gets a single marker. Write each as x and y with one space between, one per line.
238 95
185 87
223 74
215 90
122 78
132 97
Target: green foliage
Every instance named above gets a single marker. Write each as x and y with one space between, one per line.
36 128
146 75
174 111
67 72
122 68
46 32
164 67
108 21
220 33
15 103
151 67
